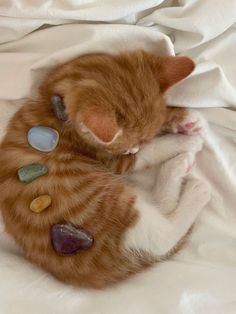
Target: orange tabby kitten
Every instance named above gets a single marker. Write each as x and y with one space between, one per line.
114 106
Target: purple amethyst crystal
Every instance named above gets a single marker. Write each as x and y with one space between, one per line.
69 239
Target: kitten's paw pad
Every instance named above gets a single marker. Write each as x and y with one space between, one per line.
191 125
191 128
198 191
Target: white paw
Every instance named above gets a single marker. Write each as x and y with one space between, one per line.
193 144
181 164
192 125
198 192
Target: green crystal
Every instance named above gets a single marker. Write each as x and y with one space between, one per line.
31 172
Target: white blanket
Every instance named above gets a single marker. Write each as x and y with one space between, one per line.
201 279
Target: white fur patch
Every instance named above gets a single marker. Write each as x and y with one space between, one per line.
148 234
156 233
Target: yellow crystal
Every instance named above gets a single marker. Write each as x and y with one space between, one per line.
40 203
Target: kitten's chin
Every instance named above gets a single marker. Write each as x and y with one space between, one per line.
131 151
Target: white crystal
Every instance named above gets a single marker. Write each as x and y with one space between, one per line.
43 138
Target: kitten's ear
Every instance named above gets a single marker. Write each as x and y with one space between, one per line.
100 123
170 70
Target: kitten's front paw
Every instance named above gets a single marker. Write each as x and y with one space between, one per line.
199 192
191 125
180 165
193 144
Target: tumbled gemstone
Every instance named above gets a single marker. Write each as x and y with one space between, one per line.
40 203
28 173
69 239
43 138
58 107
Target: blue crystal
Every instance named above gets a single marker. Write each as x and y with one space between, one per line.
43 138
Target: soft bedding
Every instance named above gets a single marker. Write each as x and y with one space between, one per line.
36 35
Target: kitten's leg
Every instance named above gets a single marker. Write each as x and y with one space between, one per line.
166 191
157 234
165 147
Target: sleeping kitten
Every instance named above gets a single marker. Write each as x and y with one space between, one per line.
114 106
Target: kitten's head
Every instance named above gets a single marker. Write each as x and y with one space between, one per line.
116 103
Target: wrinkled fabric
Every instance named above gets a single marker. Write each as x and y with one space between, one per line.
37 35
204 30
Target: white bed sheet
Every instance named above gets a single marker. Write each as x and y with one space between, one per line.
202 277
